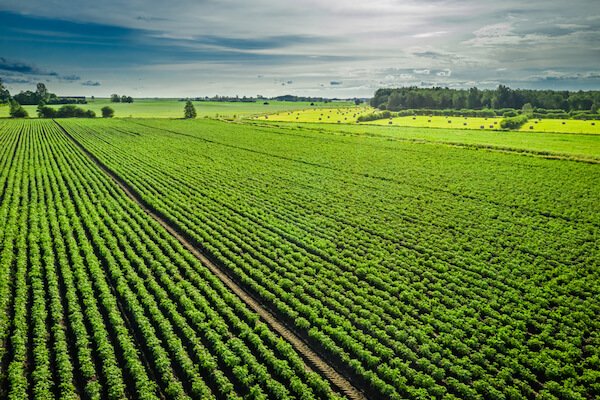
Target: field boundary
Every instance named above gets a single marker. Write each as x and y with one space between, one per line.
313 360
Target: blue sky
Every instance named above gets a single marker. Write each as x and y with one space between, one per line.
306 47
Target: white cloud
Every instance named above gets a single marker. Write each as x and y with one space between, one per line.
355 42
422 71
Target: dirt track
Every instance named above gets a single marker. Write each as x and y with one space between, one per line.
314 361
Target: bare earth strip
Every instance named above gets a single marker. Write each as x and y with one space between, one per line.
310 357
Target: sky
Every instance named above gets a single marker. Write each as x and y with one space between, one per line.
193 48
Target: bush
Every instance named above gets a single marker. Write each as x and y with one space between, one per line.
514 122
16 110
71 111
107 112
375 116
45 111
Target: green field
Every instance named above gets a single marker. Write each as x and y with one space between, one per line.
385 253
172 108
562 126
98 301
558 145
338 114
420 263
349 115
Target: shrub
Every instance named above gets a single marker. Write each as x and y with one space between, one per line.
375 116
107 112
71 111
514 122
46 112
16 110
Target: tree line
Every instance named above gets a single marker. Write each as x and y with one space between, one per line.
115 98
502 97
41 94
42 97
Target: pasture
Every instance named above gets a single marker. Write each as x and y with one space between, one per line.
172 108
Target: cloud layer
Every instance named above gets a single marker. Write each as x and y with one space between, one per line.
308 47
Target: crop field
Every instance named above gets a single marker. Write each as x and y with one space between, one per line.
419 270
98 301
551 145
349 115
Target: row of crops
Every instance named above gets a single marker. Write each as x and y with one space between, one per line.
424 271
98 301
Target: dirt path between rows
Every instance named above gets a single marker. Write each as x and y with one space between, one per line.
312 359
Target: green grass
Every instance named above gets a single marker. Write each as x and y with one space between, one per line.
172 108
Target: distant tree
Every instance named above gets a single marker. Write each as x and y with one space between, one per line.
44 111
4 93
115 98
72 111
474 98
27 97
16 110
93 98
41 92
527 109
189 111
501 98
123 99
394 102
357 101
107 112
40 109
